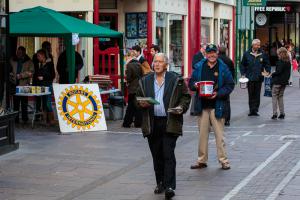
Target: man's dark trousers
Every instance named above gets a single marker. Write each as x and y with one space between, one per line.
227 110
254 90
162 146
24 104
132 113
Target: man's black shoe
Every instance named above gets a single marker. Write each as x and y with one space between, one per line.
253 114
227 123
169 193
159 189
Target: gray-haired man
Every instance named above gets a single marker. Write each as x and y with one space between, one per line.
254 62
162 123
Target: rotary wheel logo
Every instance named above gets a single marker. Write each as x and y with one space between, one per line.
79 107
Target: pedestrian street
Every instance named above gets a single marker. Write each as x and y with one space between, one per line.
264 156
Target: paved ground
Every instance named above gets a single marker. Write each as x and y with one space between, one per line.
264 154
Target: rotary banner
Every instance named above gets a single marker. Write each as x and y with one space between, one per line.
79 107
254 2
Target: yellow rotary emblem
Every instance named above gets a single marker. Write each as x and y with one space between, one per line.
79 107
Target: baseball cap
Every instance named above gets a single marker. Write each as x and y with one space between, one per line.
211 47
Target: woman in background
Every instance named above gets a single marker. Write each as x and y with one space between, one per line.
280 78
45 76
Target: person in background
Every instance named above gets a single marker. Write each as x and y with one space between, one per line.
290 52
22 70
254 62
280 78
133 73
273 54
62 67
48 49
154 49
199 55
45 77
211 109
197 58
230 65
144 63
160 125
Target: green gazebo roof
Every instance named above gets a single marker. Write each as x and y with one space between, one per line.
40 21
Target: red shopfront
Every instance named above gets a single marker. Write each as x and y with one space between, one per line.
106 51
183 35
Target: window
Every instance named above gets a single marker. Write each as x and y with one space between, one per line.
176 44
136 25
205 30
3 47
224 34
161 30
108 4
2 7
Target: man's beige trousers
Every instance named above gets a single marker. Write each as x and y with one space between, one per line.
205 120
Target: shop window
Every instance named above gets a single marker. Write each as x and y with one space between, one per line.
108 20
161 30
136 25
224 34
176 44
205 30
3 53
108 4
216 31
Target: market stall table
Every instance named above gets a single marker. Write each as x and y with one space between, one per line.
34 105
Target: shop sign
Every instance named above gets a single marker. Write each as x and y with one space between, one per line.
79 107
273 9
254 2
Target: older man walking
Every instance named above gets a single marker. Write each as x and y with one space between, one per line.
211 109
162 123
254 62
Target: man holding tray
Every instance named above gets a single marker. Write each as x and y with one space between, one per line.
210 108
163 97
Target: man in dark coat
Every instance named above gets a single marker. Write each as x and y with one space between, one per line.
162 124
133 73
254 62
198 56
230 65
22 70
144 63
62 67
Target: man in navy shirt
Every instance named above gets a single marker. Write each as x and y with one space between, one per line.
211 109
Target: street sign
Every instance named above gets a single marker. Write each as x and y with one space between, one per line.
254 2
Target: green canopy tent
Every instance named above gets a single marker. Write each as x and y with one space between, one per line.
44 22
